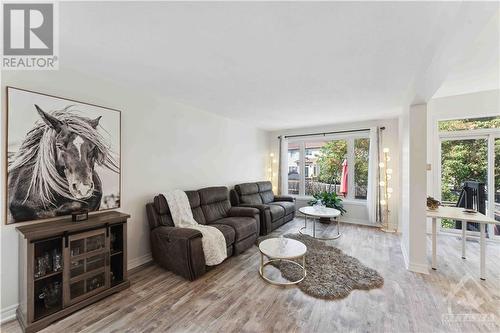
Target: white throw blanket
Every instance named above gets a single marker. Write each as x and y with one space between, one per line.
213 241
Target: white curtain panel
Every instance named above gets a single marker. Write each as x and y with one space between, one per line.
283 172
372 197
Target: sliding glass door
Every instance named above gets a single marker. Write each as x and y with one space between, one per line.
461 160
470 151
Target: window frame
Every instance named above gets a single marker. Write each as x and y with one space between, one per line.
349 137
488 134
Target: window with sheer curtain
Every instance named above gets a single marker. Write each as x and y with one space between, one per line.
331 163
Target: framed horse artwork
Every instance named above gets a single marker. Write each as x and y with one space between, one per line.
62 156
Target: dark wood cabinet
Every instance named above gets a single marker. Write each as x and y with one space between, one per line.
65 265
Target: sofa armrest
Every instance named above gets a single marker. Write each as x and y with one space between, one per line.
172 234
264 217
260 207
284 198
243 211
246 212
179 250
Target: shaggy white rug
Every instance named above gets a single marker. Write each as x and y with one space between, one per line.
331 274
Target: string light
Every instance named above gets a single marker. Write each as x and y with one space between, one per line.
270 171
386 191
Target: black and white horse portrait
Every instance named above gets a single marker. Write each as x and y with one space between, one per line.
59 165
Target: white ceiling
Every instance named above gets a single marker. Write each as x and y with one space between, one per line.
478 68
272 65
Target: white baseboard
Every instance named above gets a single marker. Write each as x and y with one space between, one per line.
136 262
358 221
419 268
8 313
413 267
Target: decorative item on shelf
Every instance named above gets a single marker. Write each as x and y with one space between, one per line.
51 295
432 204
80 215
112 241
57 264
48 263
386 191
95 283
95 243
42 265
75 251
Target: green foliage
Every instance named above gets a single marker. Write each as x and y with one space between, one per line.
330 161
361 152
447 223
469 124
462 160
329 199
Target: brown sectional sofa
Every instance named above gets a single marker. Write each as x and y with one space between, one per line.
274 210
180 249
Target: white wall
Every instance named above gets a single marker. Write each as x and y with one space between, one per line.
356 212
413 187
165 145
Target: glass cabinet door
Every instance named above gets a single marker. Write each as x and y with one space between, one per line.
88 265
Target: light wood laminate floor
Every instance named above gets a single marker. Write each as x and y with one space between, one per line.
233 297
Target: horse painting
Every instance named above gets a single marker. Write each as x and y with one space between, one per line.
53 172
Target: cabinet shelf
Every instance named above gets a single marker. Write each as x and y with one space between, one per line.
114 253
48 275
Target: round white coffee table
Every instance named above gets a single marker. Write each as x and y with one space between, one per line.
318 212
282 249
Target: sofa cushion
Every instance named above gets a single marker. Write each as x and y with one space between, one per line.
243 226
214 203
247 188
267 197
287 205
194 202
265 186
266 191
162 210
227 231
161 206
277 212
249 193
252 199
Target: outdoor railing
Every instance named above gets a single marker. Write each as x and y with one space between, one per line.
313 186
